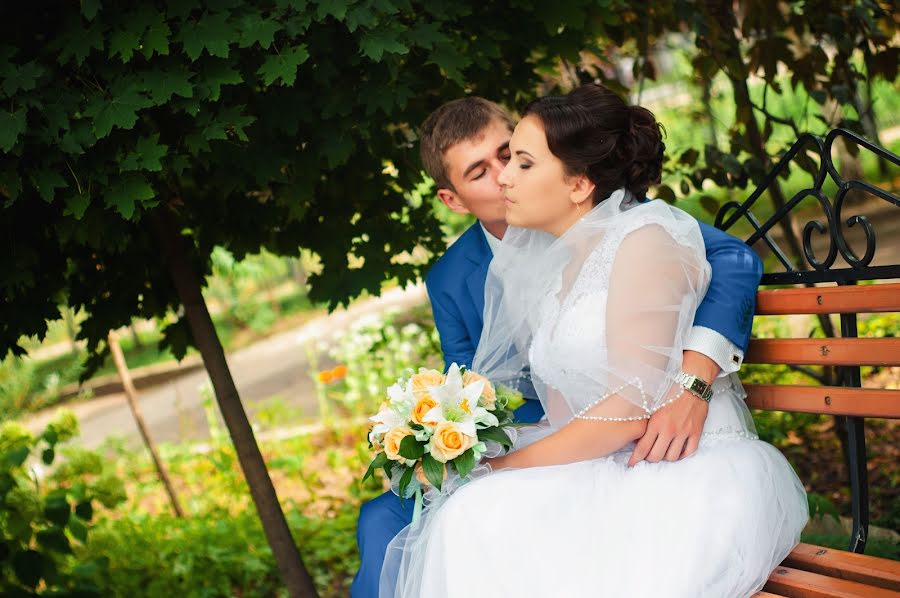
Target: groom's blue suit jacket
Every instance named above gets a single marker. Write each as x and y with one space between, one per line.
456 288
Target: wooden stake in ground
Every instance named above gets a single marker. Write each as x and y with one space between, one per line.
131 395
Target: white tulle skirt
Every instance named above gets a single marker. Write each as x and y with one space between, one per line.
712 525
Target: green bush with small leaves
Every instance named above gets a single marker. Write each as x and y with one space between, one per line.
47 512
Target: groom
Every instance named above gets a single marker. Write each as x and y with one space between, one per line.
464 147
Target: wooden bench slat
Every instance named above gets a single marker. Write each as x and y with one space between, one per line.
796 583
825 351
834 400
767 595
870 570
876 298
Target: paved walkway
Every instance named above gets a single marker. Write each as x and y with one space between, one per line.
277 365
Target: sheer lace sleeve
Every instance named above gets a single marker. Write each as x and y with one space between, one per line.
655 285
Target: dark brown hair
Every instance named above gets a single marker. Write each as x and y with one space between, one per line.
595 133
453 122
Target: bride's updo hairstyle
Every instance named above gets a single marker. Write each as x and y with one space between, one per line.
595 133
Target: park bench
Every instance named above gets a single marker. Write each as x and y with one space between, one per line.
828 287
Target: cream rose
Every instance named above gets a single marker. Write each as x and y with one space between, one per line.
425 379
421 408
392 442
489 394
448 442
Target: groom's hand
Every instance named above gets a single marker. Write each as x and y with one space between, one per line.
673 432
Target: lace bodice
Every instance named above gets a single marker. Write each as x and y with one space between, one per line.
571 334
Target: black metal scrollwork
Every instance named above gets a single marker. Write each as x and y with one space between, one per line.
834 225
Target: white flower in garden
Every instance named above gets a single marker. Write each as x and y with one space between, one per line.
411 329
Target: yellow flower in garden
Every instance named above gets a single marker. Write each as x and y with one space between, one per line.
422 407
424 379
489 394
448 442
326 377
339 372
392 442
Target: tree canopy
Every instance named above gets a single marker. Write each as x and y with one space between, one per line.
267 124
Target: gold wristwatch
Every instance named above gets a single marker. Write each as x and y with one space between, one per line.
695 386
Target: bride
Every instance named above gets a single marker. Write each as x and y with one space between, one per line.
594 290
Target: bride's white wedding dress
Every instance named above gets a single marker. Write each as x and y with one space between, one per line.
603 330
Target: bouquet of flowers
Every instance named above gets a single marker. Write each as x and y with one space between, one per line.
432 422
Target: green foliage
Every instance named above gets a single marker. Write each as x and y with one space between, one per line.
820 506
256 125
220 549
45 519
376 350
803 88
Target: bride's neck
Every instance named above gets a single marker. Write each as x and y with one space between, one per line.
559 228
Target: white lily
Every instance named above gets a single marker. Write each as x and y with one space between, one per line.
385 420
400 395
457 402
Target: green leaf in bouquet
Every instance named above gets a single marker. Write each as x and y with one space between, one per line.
497 435
405 479
410 448
379 461
509 398
389 468
465 463
434 471
416 427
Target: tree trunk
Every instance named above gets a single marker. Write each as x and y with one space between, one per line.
131 395
297 579
723 13
706 99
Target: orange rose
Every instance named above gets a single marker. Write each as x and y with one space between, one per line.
448 442
488 393
392 442
425 379
422 407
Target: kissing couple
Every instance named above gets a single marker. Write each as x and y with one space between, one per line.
641 474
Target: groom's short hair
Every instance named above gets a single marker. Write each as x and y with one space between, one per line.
453 122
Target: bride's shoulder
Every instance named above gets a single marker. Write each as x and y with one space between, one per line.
654 223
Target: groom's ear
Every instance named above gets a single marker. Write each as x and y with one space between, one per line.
451 200
582 189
